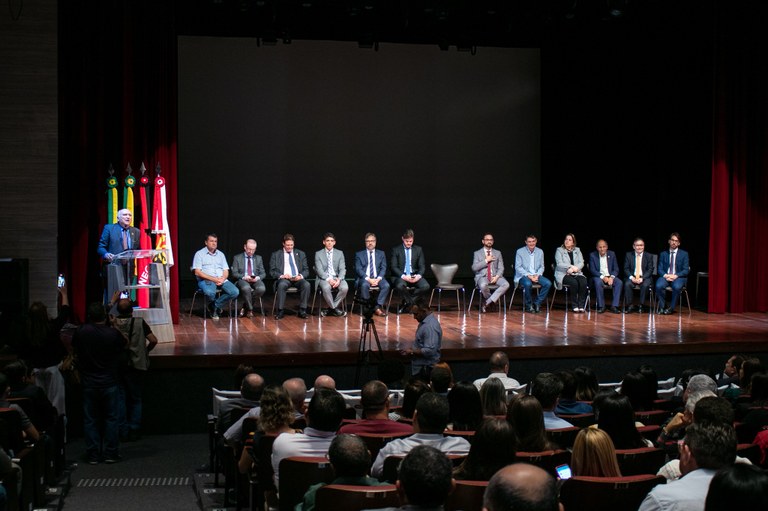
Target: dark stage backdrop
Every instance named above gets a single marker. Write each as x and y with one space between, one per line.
317 136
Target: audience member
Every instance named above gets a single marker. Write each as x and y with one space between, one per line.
617 418
29 429
587 385
350 460
43 414
429 422
98 349
754 415
652 380
499 363
674 427
424 480
324 381
567 404
250 393
738 486
374 398
494 398
731 371
324 415
493 448
141 341
749 367
240 372
521 487
527 419
707 448
465 407
594 454
441 378
411 394
546 388
636 387
297 391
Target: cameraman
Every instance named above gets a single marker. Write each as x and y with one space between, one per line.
425 352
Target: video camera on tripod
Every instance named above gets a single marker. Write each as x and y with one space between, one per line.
367 306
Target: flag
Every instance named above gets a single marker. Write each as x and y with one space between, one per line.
111 196
160 222
145 242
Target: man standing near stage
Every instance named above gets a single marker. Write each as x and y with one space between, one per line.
425 352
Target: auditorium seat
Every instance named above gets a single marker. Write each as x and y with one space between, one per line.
580 420
334 497
375 441
645 460
653 417
297 474
466 496
548 460
563 437
607 493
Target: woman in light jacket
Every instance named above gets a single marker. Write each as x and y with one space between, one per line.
568 270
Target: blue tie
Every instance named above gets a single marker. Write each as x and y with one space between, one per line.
293 265
370 264
407 261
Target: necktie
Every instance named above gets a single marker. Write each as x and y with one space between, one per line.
331 273
638 263
488 268
125 239
293 265
672 263
371 272
407 261
249 269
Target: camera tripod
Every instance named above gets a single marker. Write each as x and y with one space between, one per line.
365 346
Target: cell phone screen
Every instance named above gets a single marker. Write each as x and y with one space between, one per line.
563 472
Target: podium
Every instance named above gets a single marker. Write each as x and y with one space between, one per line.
158 314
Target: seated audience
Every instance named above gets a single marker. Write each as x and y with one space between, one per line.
617 418
414 389
546 388
587 385
754 415
499 363
493 448
652 379
594 454
324 415
297 391
636 386
493 396
738 486
567 404
429 422
29 429
465 407
374 398
19 378
350 460
424 480
707 448
749 367
674 427
441 378
324 381
527 420
730 375
521 487
250 393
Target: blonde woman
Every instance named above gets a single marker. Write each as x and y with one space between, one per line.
594 455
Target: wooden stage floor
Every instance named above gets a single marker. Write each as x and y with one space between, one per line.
471 336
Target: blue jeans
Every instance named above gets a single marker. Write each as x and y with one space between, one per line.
100 422
527 284
228 292
129 401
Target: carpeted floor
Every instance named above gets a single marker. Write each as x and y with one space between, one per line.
155 473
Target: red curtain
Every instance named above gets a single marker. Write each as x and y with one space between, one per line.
117 97
738 241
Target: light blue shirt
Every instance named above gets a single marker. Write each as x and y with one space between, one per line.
528 263
210 264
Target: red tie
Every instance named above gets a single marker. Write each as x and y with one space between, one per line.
250 268
488 268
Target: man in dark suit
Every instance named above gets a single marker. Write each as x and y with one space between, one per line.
289 268
407 269
248 272
605 270
371 268
638 271
116 238
675 265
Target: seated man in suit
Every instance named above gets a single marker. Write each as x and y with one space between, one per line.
488 266
211 269
675 265
248 272
289 268
116 238
605 270
638 270
331 268
529 270
371 268
407 269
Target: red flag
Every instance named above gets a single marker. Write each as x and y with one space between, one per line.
145 242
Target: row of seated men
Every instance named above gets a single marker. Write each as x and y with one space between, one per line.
429 421
289 267
32 439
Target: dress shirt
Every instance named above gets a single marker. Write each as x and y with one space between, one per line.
604 266
287 270
235 431
312 442
212 264
509 383
552 421
429 336
686 494
402 446
331 271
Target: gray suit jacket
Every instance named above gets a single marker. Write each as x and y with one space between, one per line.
480 267
563 262
321 264
237 270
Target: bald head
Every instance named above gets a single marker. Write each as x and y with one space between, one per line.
499 362
521 487
325 382
252 387
297 391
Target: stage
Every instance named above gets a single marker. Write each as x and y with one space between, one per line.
467 337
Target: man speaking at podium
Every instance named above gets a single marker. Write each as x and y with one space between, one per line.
116 238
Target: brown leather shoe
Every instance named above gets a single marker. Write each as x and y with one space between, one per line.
379 312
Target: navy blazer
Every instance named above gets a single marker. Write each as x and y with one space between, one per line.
111 241
594 264
629 265
682 265
361 263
